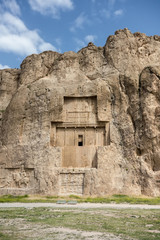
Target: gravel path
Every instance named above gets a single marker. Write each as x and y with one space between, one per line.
80 205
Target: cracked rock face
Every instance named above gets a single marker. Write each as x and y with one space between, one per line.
85 123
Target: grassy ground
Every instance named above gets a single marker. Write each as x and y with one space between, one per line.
109 199
45 223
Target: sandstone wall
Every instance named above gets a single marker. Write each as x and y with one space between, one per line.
123 77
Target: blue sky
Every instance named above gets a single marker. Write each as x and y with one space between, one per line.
33 26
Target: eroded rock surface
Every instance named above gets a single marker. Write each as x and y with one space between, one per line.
85 123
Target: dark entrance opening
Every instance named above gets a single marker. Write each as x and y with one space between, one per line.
80 140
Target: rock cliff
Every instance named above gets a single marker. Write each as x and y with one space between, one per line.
85 123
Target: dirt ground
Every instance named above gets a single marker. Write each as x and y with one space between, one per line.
19 228
40 231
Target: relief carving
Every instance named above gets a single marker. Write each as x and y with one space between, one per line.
71 183
21 179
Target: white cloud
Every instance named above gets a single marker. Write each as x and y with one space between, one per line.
44 46
12 6
12 23
90 38
15 37
4 66
107 12
82 43
51 7
110 10
79 42
118 12
80 21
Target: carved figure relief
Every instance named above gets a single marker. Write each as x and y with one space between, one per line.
20 178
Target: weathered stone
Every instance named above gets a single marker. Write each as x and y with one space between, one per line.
9 83
85 123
